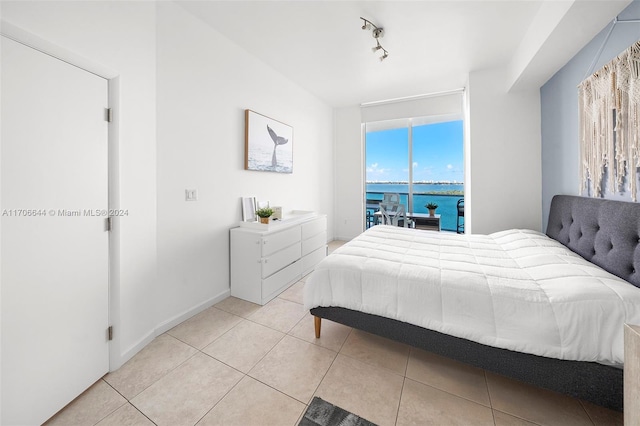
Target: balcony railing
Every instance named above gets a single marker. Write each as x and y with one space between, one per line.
447 206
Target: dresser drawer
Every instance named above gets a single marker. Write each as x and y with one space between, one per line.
314 243
313 227
277 282
312 259
280 259
275 241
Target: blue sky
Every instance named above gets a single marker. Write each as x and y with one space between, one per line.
437 153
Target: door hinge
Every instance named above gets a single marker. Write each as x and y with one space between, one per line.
108 223
110 332
108 114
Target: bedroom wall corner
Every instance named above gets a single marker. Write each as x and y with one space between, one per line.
559 109
504 157
204 84
349 177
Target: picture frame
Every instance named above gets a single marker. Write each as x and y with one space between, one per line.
249 209
268 144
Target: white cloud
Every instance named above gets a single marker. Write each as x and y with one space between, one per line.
373 168
449 167
415 164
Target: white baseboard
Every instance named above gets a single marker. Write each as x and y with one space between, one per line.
172 322
114 364
163 327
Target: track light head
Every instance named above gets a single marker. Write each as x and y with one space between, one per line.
377 33
366 25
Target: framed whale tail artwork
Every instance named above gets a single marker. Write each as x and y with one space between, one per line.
268 144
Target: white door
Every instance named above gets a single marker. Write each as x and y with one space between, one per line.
54 299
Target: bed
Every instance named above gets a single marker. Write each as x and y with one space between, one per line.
544 309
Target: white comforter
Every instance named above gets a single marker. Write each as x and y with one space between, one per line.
517 290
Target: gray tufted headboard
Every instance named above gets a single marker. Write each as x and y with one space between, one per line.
604 232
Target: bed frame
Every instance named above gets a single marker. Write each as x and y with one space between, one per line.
607 233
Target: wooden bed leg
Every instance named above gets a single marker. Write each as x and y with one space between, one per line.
318 322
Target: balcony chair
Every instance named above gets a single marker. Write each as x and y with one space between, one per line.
394 214
387 211
391 197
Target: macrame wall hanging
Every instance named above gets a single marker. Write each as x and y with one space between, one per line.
609 102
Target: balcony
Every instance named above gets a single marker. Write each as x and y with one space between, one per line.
447 207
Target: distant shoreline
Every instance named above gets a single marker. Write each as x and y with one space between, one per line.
432 188
415 183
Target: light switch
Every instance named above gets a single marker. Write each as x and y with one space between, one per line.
191 194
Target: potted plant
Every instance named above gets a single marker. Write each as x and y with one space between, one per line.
432 208
264 213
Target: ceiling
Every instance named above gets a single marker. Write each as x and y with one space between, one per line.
433 45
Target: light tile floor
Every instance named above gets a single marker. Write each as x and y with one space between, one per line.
237 363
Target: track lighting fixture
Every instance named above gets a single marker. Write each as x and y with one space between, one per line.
377 33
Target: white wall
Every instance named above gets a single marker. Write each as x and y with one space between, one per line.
504 141
204 84
119 36
349 175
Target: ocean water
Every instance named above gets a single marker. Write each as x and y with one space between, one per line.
261 158
447 204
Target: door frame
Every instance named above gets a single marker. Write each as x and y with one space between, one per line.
33 41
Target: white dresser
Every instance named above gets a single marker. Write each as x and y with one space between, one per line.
267 259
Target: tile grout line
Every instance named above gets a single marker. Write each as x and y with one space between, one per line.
323 347
233 368
404 380
245 375
160 378
264 356
284 334
102 418
585 410
127 402
340 353
323 377
378 366
223 396
138 410
309 343
493 409
456 395
486 384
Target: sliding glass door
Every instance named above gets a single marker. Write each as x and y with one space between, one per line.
419 158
